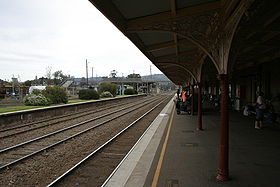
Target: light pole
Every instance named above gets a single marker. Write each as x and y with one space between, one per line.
92 73
87 62
87 71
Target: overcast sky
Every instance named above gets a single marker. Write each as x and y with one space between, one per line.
62 34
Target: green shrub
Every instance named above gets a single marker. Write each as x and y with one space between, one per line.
109 87
36 91
106 94
36 100
88 94
55 94
130 91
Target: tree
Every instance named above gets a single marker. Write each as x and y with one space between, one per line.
55 94
59 77
134 75
3 82
27 83
110 87
49 75
42 81
83 82
88 94
113 74
130 91
49 72
36 100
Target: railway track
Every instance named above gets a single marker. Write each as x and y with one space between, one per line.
6 132
43 127
79 141
14 154
110 153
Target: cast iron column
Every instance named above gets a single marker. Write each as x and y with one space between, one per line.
199 109
192 110
223 174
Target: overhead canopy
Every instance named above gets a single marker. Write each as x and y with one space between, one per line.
178 35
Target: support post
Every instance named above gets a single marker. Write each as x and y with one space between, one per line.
192 110
87 71
122 89
223 174
199 109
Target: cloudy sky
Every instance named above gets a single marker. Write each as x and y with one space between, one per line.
62 34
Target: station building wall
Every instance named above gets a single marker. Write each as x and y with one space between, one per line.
265 77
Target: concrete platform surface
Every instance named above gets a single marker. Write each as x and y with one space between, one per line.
191 157
135 168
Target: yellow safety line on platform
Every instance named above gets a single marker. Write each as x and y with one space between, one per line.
162 153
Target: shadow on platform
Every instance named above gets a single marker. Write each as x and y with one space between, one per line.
191 157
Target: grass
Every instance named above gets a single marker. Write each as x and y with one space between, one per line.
18 108
123 95
9 100
76 101
79 100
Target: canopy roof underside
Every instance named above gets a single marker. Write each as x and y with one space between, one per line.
179 35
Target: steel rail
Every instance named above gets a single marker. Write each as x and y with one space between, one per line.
82 113
99 148
64 129
133 147
70 137
44 120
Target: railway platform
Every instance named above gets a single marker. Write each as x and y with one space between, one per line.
173 153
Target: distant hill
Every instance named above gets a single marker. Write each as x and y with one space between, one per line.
156 78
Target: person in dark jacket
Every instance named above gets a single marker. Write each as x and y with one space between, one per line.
260 107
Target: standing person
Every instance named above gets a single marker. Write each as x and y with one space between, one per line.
260 107
178 93
184 96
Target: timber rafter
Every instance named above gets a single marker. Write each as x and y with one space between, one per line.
207 30
174 57
167 16
188 34
188 70
260 35
165 45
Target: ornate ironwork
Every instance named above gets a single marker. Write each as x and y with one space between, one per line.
209 31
